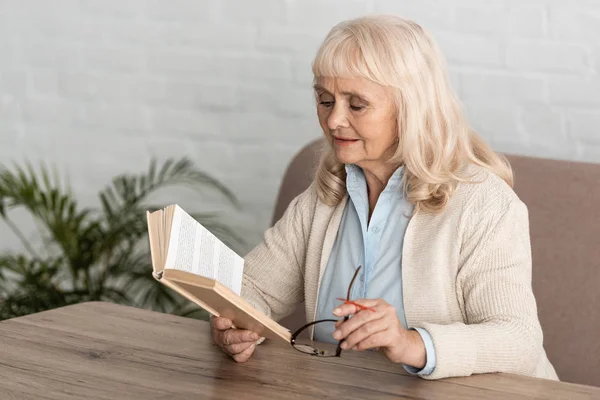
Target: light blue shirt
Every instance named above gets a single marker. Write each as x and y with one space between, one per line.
377 247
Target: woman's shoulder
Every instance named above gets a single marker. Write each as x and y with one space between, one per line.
309 197
309 206
484 190
304 203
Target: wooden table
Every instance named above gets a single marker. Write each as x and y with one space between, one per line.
106 351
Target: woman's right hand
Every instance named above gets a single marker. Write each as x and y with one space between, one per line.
238 343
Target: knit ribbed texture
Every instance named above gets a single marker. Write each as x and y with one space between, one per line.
466 276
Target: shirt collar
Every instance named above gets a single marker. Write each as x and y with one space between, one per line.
355 177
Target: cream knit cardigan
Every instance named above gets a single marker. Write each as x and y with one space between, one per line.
466 276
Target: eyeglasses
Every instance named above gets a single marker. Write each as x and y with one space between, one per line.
313 351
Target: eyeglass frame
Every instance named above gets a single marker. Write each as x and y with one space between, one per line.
317 352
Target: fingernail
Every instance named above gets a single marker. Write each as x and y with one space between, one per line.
336 311
344 345
337 335
355 348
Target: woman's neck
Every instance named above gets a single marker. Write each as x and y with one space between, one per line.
377 177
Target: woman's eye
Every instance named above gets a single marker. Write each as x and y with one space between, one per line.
326 104
356 108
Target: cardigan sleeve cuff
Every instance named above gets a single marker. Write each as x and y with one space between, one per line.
455 350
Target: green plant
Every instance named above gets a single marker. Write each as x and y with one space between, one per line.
94 253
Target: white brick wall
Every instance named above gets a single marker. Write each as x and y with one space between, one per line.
97 87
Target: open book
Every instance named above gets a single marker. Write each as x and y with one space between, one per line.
189 259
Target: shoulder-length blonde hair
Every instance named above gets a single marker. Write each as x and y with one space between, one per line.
435 141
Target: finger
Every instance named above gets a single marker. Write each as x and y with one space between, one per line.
346 309
237 348
354 323
220 323
245 355
366 330
234 336
374 341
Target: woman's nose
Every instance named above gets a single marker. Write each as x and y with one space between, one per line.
337 118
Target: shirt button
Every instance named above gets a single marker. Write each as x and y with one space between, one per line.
375 229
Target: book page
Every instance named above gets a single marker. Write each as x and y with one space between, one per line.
193 248
230 270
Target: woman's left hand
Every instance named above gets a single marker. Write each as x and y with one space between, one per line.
379 328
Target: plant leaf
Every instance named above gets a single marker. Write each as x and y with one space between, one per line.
97 253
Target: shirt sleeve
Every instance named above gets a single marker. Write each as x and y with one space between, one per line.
430 354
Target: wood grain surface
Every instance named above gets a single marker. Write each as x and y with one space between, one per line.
105 351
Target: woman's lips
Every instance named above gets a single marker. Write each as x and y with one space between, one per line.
343 141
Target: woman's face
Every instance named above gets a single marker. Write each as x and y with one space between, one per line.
358 118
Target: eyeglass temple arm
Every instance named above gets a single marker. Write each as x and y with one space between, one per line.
299 330
352 282
338 349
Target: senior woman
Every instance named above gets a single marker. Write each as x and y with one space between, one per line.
410 193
